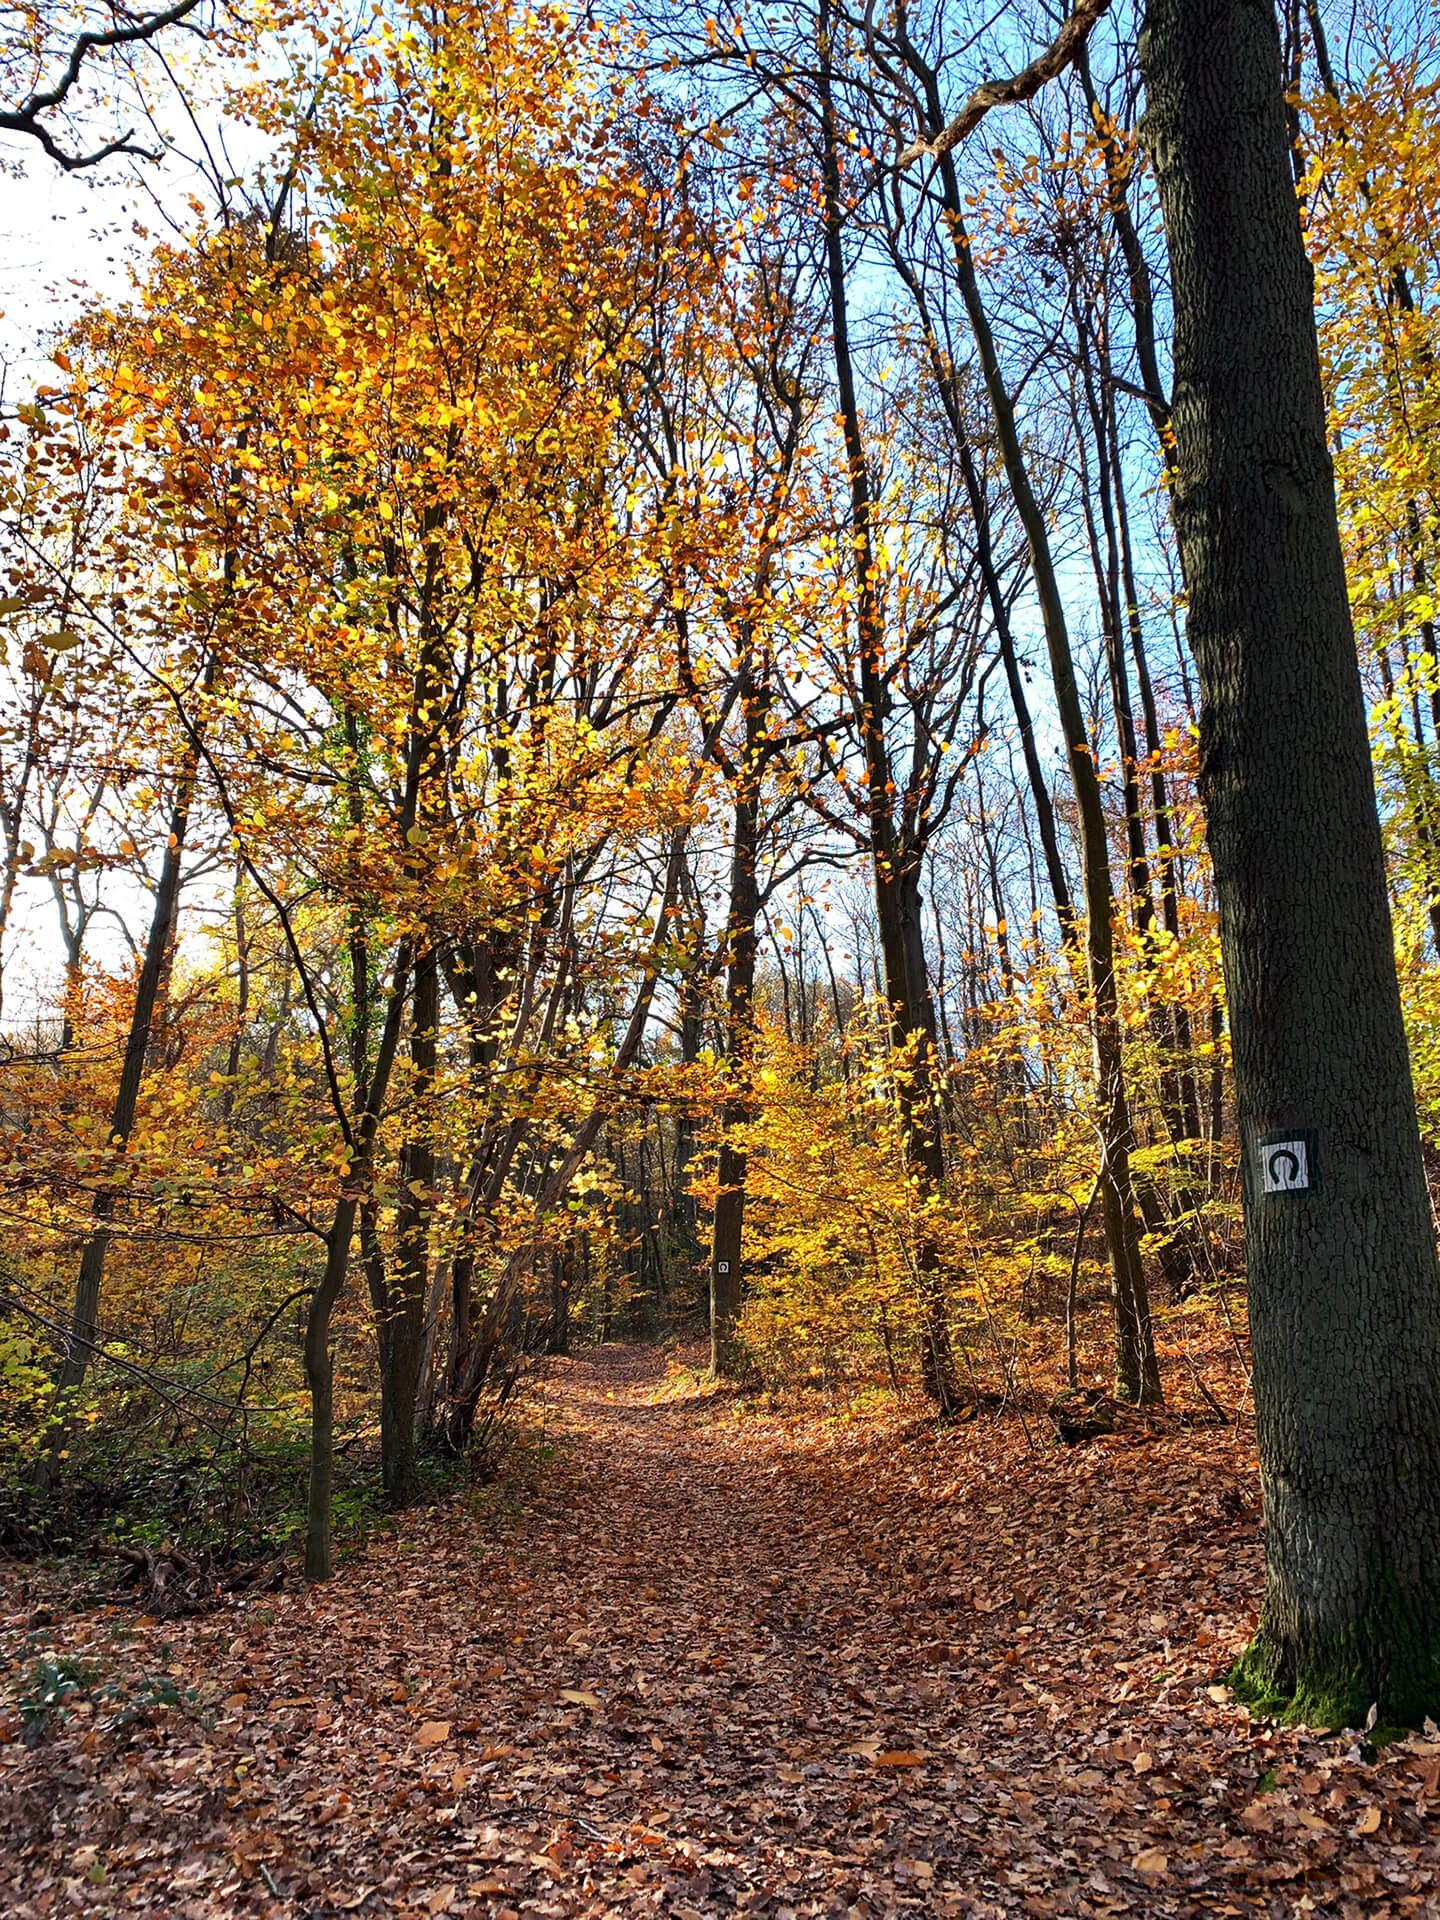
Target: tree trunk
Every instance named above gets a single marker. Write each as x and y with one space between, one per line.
562 1297
319 1355
400 1319
896 868
728 1226
691 996
1029 751
85 1312
320 1378
1137 1374
1344 1300
486 1327
949 385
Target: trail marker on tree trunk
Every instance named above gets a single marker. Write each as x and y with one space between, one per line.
1286 1162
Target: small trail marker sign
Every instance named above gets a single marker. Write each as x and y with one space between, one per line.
1286 1162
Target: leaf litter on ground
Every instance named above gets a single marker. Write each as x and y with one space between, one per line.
721 1664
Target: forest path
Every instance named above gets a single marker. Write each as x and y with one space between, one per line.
713 1664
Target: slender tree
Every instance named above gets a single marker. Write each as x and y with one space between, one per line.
1137 1373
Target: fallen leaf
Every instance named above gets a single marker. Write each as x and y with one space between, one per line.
619 1535
1369 1821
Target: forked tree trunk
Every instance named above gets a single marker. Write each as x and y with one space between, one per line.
895 866
318 1352
85 1312
1344 1292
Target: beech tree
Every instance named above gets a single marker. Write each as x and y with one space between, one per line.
1137 1372
1344 1300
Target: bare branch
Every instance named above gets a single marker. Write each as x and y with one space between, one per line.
1015 87
25 118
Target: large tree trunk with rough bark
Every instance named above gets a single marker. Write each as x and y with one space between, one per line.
1344 1300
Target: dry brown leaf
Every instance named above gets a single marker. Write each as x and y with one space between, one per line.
433 1733
784 1534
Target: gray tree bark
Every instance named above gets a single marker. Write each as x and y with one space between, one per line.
1344 1300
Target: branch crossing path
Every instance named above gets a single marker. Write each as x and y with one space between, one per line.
708 1661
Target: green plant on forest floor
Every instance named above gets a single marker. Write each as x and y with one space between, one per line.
59 1683
54 1681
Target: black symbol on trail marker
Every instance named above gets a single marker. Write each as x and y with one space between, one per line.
1286 1162
722 1266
